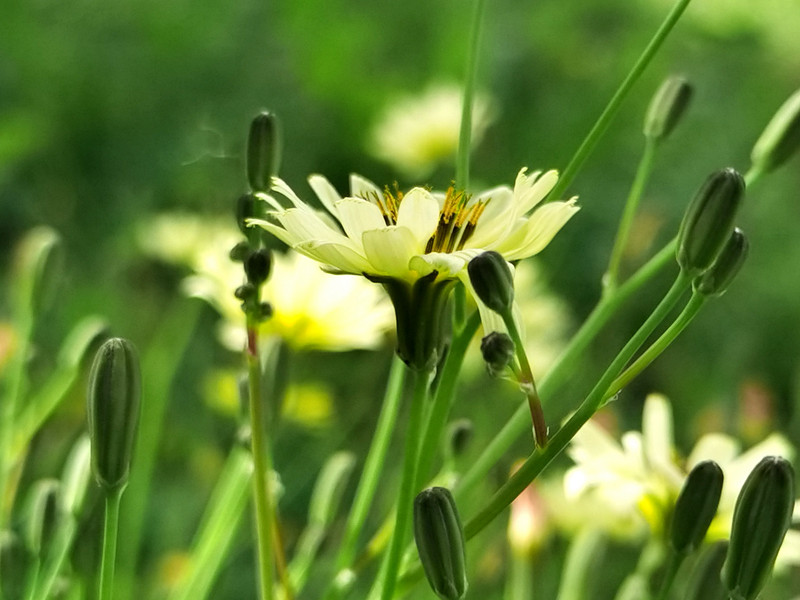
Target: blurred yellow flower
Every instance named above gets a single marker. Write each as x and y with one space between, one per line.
417 133
312 309
639 478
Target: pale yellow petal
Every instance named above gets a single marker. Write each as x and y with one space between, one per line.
530 190
306 226
419 212
326 193
358 216
389 251
364 188
537 231
343 258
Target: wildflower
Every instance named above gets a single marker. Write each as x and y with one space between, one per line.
312 309
417 133
418 241
642 475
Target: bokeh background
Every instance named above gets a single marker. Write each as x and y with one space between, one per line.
111 114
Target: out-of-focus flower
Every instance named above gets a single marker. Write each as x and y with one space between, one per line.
639 478
312 309
529 524
417 133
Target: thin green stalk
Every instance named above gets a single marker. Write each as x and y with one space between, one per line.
465 133
600 127
109 557
443 398
583 558
694 305
405 497
56 558
542 457
673 564
370 476
262 464
610 279
520 579
218 528
564 367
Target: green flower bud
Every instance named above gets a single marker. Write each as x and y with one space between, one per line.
716 280
704 582
761 517
44 512
75 477
240 252
246 208
265 311
113 405
459 435
492 281
498 352
667 107
263 151
708 222
780 138
696 506
257 266
245 292
39 269
440 542
13 564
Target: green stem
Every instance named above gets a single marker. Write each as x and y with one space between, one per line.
56 559
582 562
443 399
564 368
405 498
631 204
465 133
648 356
262 464
520 579
542 457
373 467
615 103
109 558
673 564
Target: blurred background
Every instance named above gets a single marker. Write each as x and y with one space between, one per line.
113 114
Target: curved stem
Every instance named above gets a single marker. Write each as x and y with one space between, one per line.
405 496
542 457
631 204
648 356
465 133
673 564
614 104
109 557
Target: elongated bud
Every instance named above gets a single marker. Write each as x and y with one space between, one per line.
667 107
76 475
40 266
492 280
708 222
696 506
113 408
44 512
263 151
762 515
498 352
704 582
781 137
257 266
716 280
459 435
440 542
246 208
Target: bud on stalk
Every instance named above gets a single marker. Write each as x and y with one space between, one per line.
492 281
263 151
696 506
781 136
667 107
716 280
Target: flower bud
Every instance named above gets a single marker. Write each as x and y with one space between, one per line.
44 512
708 222
696 506
716 280
459 435
257 266
245 292
263 151
76 475
240 252
492 280
704 582
246 208
113 405
781 136
440 542
40 265
498 352
762 515
667 107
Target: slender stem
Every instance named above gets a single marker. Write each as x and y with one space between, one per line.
631 204
564 367
648 356
527 383
583 559
520 579
405 497
109 557
443 399
262 463
599 128
542 457
753 176
465 133
673 564
370 477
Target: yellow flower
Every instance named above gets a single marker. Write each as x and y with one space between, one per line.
418 132
311 309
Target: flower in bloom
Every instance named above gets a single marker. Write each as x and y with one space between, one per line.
311 309
416 133
641 476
